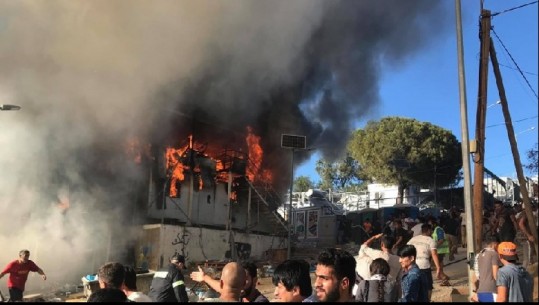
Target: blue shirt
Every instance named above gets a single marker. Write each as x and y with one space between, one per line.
414 286
518 282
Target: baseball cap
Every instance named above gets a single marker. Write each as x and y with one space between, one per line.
507 248
179 258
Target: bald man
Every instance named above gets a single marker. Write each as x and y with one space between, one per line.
230 286
232 282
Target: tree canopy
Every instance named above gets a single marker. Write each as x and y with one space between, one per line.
406 152
533 164
303 184
340 175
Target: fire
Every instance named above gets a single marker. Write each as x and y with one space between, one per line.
135 150
175 166
176 170
256 154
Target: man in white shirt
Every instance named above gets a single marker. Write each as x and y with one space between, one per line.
426 248
367 254
416 230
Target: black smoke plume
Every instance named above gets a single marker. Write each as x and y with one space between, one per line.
91 74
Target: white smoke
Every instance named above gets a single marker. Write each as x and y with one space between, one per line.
89 74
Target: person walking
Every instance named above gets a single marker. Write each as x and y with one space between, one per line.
168 283
425 250
451 229
18 274
505 224
442 248
414 283
525 236
514 283
486 267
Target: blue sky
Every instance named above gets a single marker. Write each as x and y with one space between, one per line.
426 86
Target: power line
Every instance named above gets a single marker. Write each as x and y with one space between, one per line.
514 62
503 123
509 67
514 8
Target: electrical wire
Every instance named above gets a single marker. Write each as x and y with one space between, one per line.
515 121
514 62
513 8
527 72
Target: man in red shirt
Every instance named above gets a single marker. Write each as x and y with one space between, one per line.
18 274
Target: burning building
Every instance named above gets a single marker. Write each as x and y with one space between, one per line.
137 114
203 199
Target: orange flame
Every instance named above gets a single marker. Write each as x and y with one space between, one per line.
176 169
255 153
255 157
173 163
135 150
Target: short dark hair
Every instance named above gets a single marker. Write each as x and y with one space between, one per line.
379 266
294 272
250 267
388 241
510 258
130 278
107 295
342 262
408 250
112 274
489 239
24 251
425 228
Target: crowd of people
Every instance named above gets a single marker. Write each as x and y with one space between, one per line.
398 268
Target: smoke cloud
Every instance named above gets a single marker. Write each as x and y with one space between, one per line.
90 75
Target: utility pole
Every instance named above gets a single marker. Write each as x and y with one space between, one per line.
465 150
514 147
479 158
294 143
290 217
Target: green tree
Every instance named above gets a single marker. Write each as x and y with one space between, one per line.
303 184
533 165
406 152
340 175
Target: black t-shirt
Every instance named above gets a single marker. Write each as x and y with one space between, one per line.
451 226
401 232
506 228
